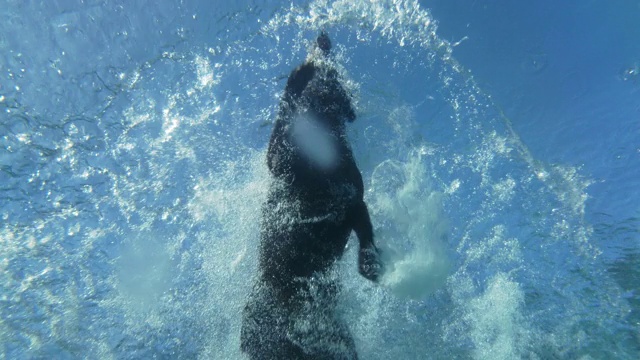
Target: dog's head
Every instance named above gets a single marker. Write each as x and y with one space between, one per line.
323 92
326 98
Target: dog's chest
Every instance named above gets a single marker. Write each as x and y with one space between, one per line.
315 141
297 206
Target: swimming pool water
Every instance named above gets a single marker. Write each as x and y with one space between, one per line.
500 136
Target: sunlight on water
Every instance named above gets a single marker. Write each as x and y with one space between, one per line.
131 216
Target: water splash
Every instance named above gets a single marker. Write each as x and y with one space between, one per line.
169 153
412 230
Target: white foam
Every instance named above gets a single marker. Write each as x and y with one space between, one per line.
412 240
315 141
416 273
144 274
497 327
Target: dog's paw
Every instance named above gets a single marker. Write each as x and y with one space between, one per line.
369 263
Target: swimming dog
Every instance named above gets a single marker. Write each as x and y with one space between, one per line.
314 202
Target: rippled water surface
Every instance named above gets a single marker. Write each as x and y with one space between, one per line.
499 144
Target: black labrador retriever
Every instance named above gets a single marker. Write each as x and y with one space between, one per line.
314 202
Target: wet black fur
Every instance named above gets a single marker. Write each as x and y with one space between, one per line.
306 222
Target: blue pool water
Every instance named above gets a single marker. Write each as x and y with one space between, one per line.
499 143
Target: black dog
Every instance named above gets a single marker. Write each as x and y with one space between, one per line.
312 207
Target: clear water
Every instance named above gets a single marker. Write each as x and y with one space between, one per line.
499 143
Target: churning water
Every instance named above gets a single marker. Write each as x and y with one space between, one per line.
133 170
